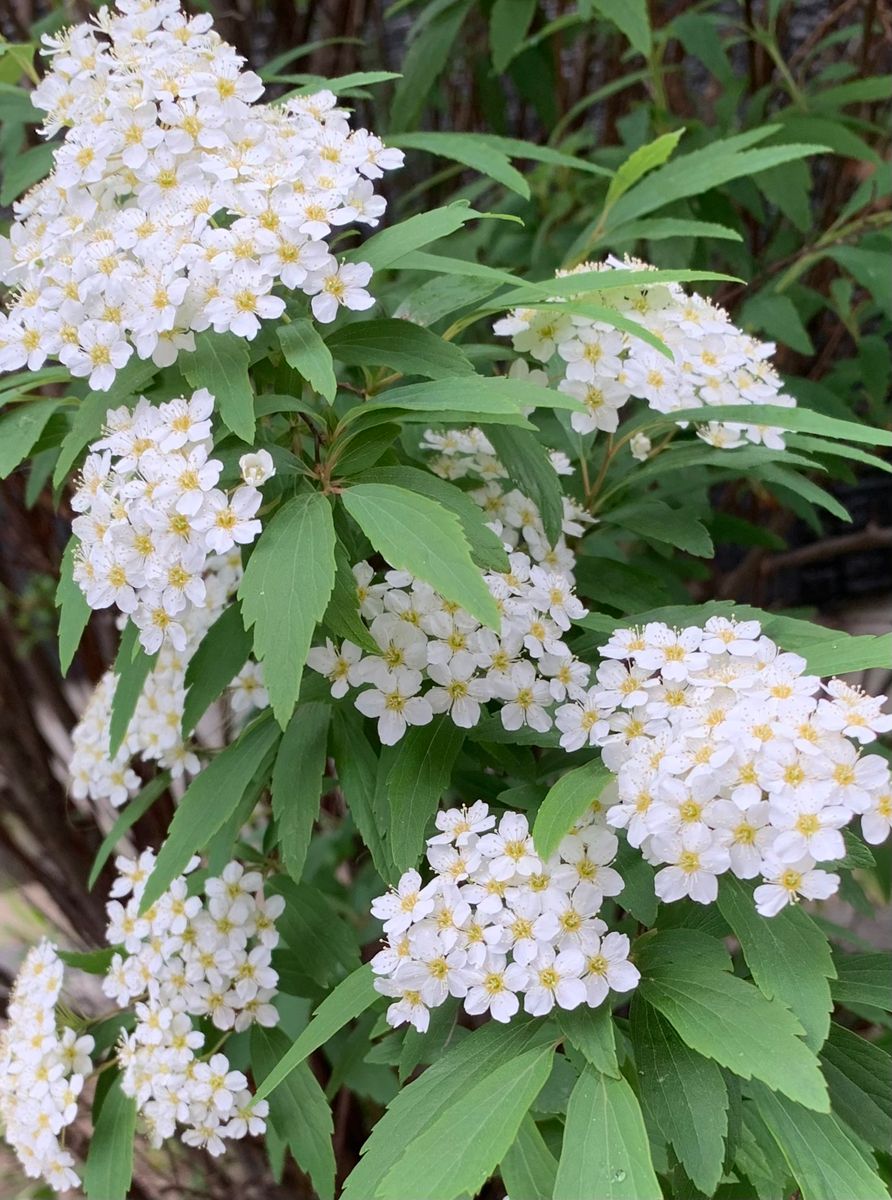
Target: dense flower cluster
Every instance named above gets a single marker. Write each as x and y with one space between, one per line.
151 515
729 757
712 361
424 640
468 454
41 1071
187 958
154 733
496 922
176 202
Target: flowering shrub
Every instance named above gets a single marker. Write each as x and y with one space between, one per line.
412 700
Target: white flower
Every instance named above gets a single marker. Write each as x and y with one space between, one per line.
695 860
337 284
408 904
607 968
256 468
496 989
554 979
786 882
335 664
510 850
396 704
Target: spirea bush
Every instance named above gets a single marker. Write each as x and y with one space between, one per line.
458 818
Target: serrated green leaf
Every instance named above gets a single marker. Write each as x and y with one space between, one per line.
220 655
685 1094
526 460
591 1031
297 782
285 592
93 962
566 802
351 997
386 248
406 347
109 1166
23 170
657 521
307 353
432 39
20 428
863 979
442 1086
802 420
342 617
823 1160
419 535
298 1110
417 780
605 1150
529 1168
478 1128
357 772
646 158
220 364
136 808
788 955
74 612
312 928
486 548
658 229
859 1076
208 801
725 1019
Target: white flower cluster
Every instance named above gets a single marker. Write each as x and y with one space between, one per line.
41 1071
423 639
729 757
496 922
155 730
713 362
186 958
176 203
467 454
151 514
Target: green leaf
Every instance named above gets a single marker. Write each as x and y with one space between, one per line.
723 1018
357 771
350 998
788 955
778 317
478 1127
440 1088
417 780
570 798
657 229
386 248
74 612
645 158
467 149
298 780
684 1093
342 617
93 962
132 668
605 1151
657 521
859 1076
419 535
220 655
285 591
220 364
486 548
802 420
698 172
20 428
839 655
23 171
529 1168
810 492
509 21
399 344
823 1160
591 1031
630 17
432 39
863 979
526 460
109 1166
208 801
312 928
308 354
299 1111
136 808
